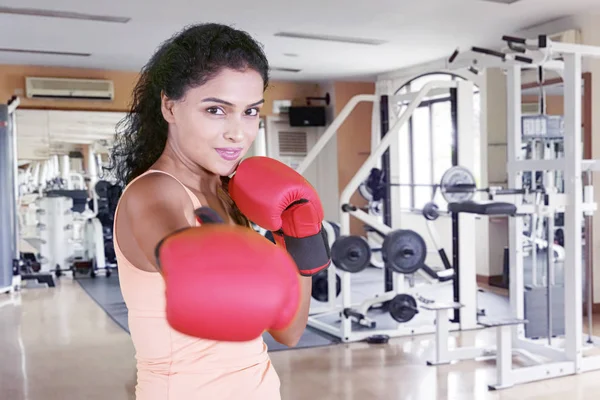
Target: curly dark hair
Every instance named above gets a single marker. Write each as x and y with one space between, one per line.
187 60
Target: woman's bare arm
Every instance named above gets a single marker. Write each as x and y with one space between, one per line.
155 206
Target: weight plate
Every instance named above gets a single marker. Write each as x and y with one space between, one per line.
431 211
332 230
404 251
101 189
351 253
365 192
403 308
320 289
456 176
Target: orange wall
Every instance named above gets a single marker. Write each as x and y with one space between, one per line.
554 104
12 82
353 139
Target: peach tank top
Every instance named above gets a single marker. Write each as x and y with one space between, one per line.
174 366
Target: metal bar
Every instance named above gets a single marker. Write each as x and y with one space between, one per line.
573 208
541 349
515 243
533 165
384 119
408 97
573 49
503 356
370 220
465 274
590 165
13 104
15 181
550 277
332 130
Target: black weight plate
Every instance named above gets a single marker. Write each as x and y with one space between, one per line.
404 251
403 308
336 228
320 288
431 211
351 253
101 189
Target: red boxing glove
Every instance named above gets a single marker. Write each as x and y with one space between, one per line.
277 198
226 282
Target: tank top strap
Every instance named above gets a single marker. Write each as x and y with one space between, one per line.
191 195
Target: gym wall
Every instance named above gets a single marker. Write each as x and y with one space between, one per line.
353 139
12 82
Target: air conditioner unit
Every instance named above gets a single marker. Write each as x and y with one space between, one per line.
61 88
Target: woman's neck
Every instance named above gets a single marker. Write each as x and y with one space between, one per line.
191 175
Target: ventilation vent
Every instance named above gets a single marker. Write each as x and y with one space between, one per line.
330 38
87 89
293 144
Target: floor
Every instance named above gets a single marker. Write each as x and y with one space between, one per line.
58 344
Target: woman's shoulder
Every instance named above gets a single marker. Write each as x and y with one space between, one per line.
154 188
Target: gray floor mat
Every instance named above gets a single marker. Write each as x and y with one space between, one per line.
106 292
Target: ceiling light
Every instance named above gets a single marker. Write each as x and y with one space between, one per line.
36 12
330 38
502 1
290 54
280 69
45 52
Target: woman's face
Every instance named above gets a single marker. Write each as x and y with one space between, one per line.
214 125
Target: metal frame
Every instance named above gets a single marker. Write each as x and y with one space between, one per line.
564 355
466 274
11 225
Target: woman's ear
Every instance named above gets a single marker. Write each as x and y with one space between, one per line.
166 106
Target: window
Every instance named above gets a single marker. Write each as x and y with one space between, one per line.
427 143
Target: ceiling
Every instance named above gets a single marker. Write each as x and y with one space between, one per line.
413 31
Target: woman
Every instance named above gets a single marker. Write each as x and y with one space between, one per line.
195 114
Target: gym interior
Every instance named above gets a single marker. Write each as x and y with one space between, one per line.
451 144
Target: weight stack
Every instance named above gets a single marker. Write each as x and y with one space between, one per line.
536 312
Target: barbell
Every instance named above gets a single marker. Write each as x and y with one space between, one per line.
456 185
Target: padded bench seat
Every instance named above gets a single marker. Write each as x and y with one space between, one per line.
491 208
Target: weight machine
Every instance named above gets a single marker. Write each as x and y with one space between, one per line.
464 280
553 355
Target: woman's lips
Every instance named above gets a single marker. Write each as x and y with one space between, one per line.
229 153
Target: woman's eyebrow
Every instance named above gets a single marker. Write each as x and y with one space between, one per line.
216 100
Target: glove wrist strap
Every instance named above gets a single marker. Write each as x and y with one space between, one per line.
311 253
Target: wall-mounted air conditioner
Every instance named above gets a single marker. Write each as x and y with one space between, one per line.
61 88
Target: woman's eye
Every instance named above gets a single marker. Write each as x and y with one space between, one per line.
252 112
215 110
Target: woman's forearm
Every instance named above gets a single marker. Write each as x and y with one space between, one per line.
291 335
